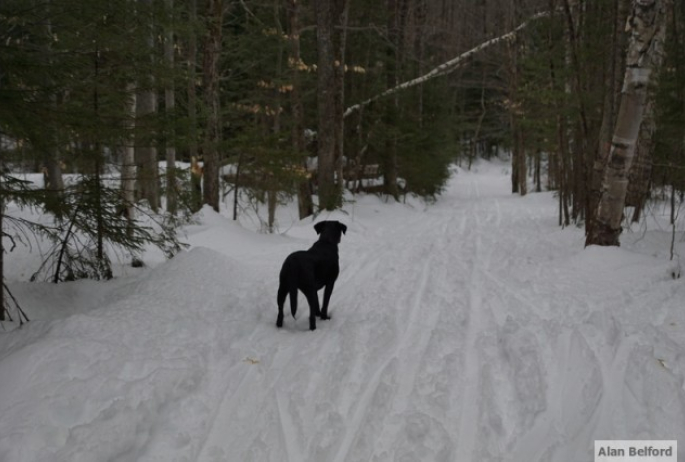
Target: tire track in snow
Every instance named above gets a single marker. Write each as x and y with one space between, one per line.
470 396
289 436
413 348
412 324
468 421
231 399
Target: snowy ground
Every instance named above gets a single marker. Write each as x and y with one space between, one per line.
474 329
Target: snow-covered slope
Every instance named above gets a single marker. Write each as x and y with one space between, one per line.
474 329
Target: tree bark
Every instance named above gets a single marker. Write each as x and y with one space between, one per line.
304 191
390 167
2 247
326 106
196 180
340 25
646 27
518 158
145 150
212 51
52 170
169 106
128 167
640 172
610 109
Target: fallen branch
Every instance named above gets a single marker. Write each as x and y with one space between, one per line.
448 66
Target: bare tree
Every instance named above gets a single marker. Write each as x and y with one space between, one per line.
646 26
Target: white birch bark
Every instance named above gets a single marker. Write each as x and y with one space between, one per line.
646 27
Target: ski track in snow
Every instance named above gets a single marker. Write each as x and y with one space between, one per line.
453 338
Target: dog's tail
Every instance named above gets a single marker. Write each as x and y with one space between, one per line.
293 301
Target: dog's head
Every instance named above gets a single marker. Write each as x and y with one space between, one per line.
330 231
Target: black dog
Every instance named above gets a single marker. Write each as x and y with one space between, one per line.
311 270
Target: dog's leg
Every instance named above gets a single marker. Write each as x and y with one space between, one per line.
326 298
280 299
313 300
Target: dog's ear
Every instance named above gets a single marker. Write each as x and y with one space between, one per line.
343 228
319 227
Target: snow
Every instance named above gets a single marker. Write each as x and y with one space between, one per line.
472 329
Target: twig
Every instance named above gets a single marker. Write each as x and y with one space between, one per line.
16 305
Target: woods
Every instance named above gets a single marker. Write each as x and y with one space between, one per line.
315 100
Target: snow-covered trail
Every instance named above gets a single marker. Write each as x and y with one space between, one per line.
473 329
453 338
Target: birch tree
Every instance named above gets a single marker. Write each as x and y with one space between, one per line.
646 28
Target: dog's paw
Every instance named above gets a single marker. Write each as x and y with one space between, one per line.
279 321
325 317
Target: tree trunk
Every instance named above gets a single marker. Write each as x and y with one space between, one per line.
145 150
304 191
341 14
52 171
195 182
640 172
522 163
518 156
210 67
391 68
579 139
646 27
272 202
326 106
169 106
104 269
537 171
611 103
53 174
2 247
128 167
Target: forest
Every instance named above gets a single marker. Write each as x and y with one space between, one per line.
139 113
